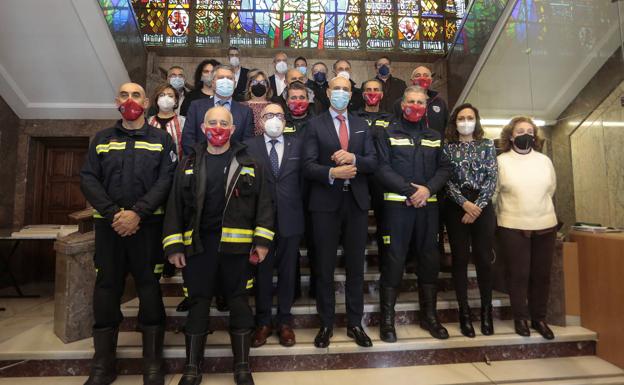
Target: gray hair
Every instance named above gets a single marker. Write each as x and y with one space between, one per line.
223 67
414 89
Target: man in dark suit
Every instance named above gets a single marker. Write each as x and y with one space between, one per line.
281 158
240 73
338 155
278 79
392 87
223 84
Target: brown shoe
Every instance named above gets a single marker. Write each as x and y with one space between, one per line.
286 336
262 333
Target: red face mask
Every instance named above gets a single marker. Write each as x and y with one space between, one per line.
218 136
298 107
422 82
414 112
372 98
130 110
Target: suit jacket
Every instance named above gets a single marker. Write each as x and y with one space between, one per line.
275 98
322 142
192 132
286 189
239 91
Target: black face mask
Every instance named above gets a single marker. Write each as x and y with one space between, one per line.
524 142
258 89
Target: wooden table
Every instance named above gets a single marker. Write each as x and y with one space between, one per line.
601 282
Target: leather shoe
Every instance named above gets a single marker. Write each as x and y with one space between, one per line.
359 335
322 337
543 329
261 335
184 305
522 328
286 336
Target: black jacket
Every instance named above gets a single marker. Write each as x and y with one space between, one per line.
241 85
378 122
296 126
393 89
128 169
437 112
248 213
321 101
411 153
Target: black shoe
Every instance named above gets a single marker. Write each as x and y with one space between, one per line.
103 370
195 344
222 304
387 300
153 340
322 337
184 305
427 296
543 329
241 343
487 324
359 335
465 321
522 328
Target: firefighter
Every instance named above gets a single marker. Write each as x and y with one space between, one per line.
126 178
219 219
412 170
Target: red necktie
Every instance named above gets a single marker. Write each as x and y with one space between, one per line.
343 134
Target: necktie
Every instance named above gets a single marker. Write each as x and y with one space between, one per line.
223 103
343 134
273 157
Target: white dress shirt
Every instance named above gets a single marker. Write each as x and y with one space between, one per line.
279 147
228 101
280 84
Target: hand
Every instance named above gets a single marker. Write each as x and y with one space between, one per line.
178 259
341 157
126 223
343 172
468 219
472 209
262 252
419 198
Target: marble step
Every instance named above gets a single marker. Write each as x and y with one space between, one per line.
305 314
39 352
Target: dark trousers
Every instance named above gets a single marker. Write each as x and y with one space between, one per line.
479 235
140 255
377 204
405 225
528 256
204 272
351 222
283 257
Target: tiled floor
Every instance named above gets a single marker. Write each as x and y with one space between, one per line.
22 314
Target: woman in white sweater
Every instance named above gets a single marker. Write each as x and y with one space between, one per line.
527 223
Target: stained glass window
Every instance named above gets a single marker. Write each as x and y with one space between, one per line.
418 26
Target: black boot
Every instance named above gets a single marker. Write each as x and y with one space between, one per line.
103 371
465 321
241 342
195 344
387 300
429 321
184 305
153 341
487 324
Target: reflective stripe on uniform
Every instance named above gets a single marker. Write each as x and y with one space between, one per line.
432 199
394 197
106 147
189 171
430 143
97 215
172 239
264 233
401 142
386 239
185 291
248 171
158 268
188 238
148 146
250 283
289 130
159 211
233 235
382 123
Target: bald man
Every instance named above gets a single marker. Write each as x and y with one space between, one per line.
126 178
219 219
338 156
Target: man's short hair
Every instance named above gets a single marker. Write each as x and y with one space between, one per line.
320 63
372 80
233 48
301 58
416 89
339 60
223 67
296 86
175 67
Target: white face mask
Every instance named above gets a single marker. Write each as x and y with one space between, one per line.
274 127
281 67
234 61
166 103
466 127
344 74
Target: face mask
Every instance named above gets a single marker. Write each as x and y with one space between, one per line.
372 98
176 82
274 127
344 74
303 70
166 103
234 61
466 127
225 87
384 70
414 112
339 99
298 107
281 67
258 89
422 82
130 110
207 79
320 77
523 142
218 136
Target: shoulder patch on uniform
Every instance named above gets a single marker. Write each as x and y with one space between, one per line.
173 156
437 109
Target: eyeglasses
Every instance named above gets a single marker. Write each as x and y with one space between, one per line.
219 123
271 115
254 82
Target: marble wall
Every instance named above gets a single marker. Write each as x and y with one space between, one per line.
9 127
